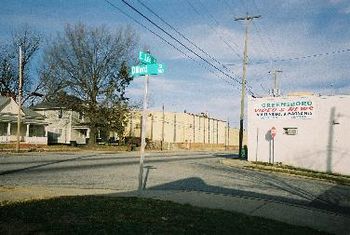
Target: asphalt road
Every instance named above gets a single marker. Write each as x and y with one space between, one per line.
189 171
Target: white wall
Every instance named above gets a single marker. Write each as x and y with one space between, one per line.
323 131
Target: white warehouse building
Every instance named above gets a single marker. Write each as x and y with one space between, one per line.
311 131
190 130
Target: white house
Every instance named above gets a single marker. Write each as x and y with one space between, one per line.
32 124
65 126
309 131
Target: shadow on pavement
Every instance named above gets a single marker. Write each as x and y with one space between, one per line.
227 155
322 202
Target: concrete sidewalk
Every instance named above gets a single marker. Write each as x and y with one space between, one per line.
297 215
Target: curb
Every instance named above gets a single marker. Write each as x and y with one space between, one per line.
343 180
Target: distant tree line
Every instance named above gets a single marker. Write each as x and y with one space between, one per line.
84 69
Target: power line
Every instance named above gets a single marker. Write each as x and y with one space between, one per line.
182 35
271 53
268 52
214 29
313 56
150 30
246 8
167 42
249 88
171 36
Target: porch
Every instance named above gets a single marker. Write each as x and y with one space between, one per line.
30 133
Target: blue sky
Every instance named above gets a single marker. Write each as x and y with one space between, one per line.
287 31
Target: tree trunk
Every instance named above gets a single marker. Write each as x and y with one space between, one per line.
93 134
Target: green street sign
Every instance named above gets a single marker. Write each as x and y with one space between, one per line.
146 58
147 69
139 70
155 69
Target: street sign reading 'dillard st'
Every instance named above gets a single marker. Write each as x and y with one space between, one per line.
146 58
139 70
147 69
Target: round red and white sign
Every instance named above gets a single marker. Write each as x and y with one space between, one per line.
273 132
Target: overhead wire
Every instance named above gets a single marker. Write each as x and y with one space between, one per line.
248 87
232 6
150 30
214 29
167 42
264 45
313 56
183 36
175 39
271 53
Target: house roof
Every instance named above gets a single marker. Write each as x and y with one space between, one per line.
29 116
60 102
32 114
4 101
48 105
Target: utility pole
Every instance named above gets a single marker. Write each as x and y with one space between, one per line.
247 19
19 98
275 90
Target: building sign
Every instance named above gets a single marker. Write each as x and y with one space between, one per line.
284 109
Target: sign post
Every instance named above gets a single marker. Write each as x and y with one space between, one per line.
143 132
148 66
273 134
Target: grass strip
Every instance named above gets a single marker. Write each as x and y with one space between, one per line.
335 178
106 215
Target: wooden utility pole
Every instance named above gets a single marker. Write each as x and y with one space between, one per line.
275 90
19 98
247 19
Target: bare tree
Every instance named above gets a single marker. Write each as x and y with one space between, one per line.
8 74
29 41
90 63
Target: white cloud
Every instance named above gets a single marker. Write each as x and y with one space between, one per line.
347 10
335 1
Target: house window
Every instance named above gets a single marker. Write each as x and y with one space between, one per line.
81 116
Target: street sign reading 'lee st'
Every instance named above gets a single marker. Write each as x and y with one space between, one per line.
147 69
146 58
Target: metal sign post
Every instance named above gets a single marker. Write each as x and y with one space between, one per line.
148 66
143 132
273 134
